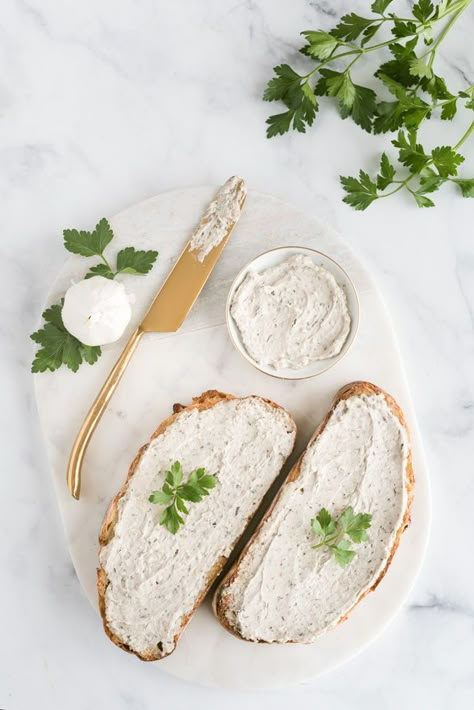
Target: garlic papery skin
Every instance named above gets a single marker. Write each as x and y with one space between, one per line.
96 310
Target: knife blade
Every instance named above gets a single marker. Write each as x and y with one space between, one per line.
170 306
190 273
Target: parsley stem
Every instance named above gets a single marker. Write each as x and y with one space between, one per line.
403 183
465 136
106 263
444 32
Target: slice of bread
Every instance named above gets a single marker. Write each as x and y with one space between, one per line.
283 590
150 581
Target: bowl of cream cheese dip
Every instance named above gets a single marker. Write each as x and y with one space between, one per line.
292 312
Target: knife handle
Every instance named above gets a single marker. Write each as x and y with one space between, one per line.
95 413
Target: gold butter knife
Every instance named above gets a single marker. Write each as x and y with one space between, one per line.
171 305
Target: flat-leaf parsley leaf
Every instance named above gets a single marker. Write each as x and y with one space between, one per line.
174 493
338 535
58 346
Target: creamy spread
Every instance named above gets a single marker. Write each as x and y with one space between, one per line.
155 577
284 589
221 214
292 314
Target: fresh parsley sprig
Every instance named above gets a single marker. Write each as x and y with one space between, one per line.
174 493
338 535
427 172
417 93
129 260
58 346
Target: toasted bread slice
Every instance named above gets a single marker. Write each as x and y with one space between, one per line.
150 581
283 590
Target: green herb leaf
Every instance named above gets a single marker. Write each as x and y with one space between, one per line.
430 183
351 26
100 270
386 173
355 526
379 6
53 315
466 186
325 522
342 554
339 84
176 472
160 498
133 261
337 534
423 10
437 89
174 493
190 492
297 95
363 107
58 346
369 32
411 153
181 505
89 243
399 70
286 79
320 45
356 101
360 193
171 519
402 28
446 160
448 110
420 69
390 116
422 201
316 527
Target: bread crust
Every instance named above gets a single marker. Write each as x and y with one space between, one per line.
353 389
204 401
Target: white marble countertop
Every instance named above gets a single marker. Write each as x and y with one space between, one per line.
103 104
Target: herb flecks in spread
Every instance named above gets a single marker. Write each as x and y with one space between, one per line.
221 214
174 493
416 94
338 535
292 314
58 345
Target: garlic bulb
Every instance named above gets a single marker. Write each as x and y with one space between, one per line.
96 311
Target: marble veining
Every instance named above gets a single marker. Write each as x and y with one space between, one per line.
104 104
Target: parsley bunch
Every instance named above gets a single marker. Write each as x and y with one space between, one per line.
416 94
58 346
337 534
174 493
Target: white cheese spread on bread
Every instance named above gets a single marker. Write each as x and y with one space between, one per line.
154 579
291 314
284 590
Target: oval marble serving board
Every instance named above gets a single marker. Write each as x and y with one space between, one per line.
169 368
